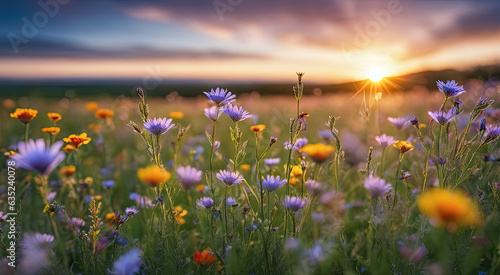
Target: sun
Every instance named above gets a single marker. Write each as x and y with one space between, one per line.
375 74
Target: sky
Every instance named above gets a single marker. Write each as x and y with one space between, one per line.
243 40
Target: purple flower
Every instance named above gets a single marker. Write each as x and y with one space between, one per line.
399 122
129 263
37 156
158 126
491 132
220 96
189 176
272 161
299 143
271 183
216 145
213 112
376 186
404 175
414 121
75 223
385 140
38 239
313 186
450 88
294 204
325 134
229 178
231 202
482 125
131 211
443 117
108 184
236 113
3 216
205 202
51 196
141 201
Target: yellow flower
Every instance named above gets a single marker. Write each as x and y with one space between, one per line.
258 128
68 148
294 181
51 130
319 152
67 171
180 213
104 113
110 219
403 146
77 140
421 125
91 105
176 115
153 175
54 116
49 209
24 115
446 207
245 167
296 171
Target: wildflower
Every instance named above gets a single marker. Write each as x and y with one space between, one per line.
140 92
319 152
160 199
491 132
129 263
299 143
231 202
272 161
37 156
189 176
204 258
216 145
450 88
271 183
68 148
3 216
49 209
24 115
104 113
153 175
180 213
414 122
245 167
403 146
294 204
220 96
110 218
67 171
77 141
482 125
376 186
51 130
236 113
446 207
176 115
91 105
313 186
213 112
404 175
325 135
108 184
295 171
205 202
413 256
443 117
385 140
229 178
258 128
303 121
75 223
54 116
131 211
399 122
158 126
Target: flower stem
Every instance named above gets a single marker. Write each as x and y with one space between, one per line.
26 131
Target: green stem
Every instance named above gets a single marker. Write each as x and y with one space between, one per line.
26 132
396 179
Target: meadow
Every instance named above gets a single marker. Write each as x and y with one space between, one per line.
387 181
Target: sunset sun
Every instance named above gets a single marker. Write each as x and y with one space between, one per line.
375 74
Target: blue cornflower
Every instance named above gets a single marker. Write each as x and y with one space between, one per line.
231 202
128 264
37 156
108 184
299 143
491 132
229 178
450 88
271 183
272 161
131 211
220 96
205 202
294 204
236 113
158 126
443 117
189 176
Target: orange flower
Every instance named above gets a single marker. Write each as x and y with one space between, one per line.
24 115
67 171
319 152
200 188
176 115
180 213
204 258
51 130
54 116
153 175
403 146
258 128
104 113
91 105
110 219
245 167
78 140
68 148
